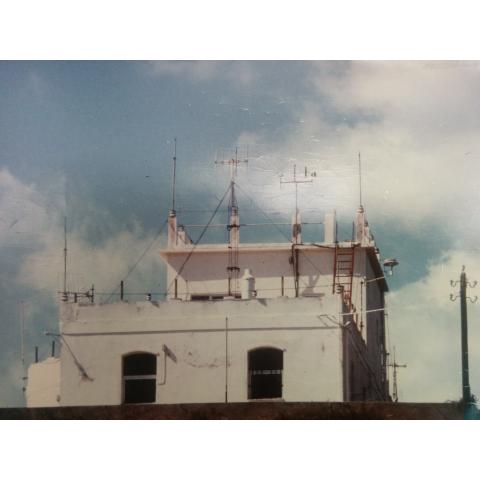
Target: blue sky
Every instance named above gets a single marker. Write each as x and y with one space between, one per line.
93 141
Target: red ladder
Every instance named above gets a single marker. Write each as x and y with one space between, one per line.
343 269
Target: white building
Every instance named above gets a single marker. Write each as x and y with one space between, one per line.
241 322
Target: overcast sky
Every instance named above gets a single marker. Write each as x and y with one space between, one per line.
93 141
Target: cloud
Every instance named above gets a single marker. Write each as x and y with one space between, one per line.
415 125
103 265
237 74
11 385
425 328
34 219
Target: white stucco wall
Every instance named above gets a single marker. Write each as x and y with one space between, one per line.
43 387
206 270
196 334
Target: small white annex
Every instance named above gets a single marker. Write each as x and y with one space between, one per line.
241 322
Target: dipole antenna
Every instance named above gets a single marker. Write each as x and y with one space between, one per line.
174 173
464 283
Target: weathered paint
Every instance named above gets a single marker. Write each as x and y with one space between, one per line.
329 354
43 387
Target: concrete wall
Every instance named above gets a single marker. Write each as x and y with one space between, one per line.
196 334
248 411
206 270
43 388
375 328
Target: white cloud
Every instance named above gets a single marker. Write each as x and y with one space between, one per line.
11 385
25 213
34 219
416 125
425 328
238 74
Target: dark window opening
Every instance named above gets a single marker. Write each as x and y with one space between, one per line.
139 378
265 369
206 298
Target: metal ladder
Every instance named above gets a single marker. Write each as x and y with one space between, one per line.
344 262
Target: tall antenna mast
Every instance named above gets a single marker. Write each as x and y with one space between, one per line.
360 177
65 261
233 226
174 173
22 332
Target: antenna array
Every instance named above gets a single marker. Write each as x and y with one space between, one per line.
233 226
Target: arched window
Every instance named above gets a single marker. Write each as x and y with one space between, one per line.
265 367
139 378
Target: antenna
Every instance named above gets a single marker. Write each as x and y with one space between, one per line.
22 332
174 171
233 226
296 181
22 343
395 366
65 261
360 177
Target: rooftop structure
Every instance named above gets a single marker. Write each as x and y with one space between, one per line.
292 321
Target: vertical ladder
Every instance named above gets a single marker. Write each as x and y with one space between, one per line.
343 270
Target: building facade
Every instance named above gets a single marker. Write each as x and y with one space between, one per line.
240 322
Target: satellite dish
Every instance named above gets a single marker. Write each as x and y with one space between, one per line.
390 263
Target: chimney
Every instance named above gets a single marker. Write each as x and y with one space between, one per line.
330 228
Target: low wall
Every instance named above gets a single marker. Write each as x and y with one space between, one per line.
246 411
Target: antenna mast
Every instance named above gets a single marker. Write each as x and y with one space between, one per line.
360 177
174 173
22 332
65 261
296 181
233 226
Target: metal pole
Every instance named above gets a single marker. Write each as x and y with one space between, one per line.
53 348
174 173
121 290
36 354
467 397
22 333
226 359
65 258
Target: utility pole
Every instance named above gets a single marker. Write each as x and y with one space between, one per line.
464 283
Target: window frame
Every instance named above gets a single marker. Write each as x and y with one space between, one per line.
264 372
127 378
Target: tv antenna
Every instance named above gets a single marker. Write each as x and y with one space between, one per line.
395 366
296 180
